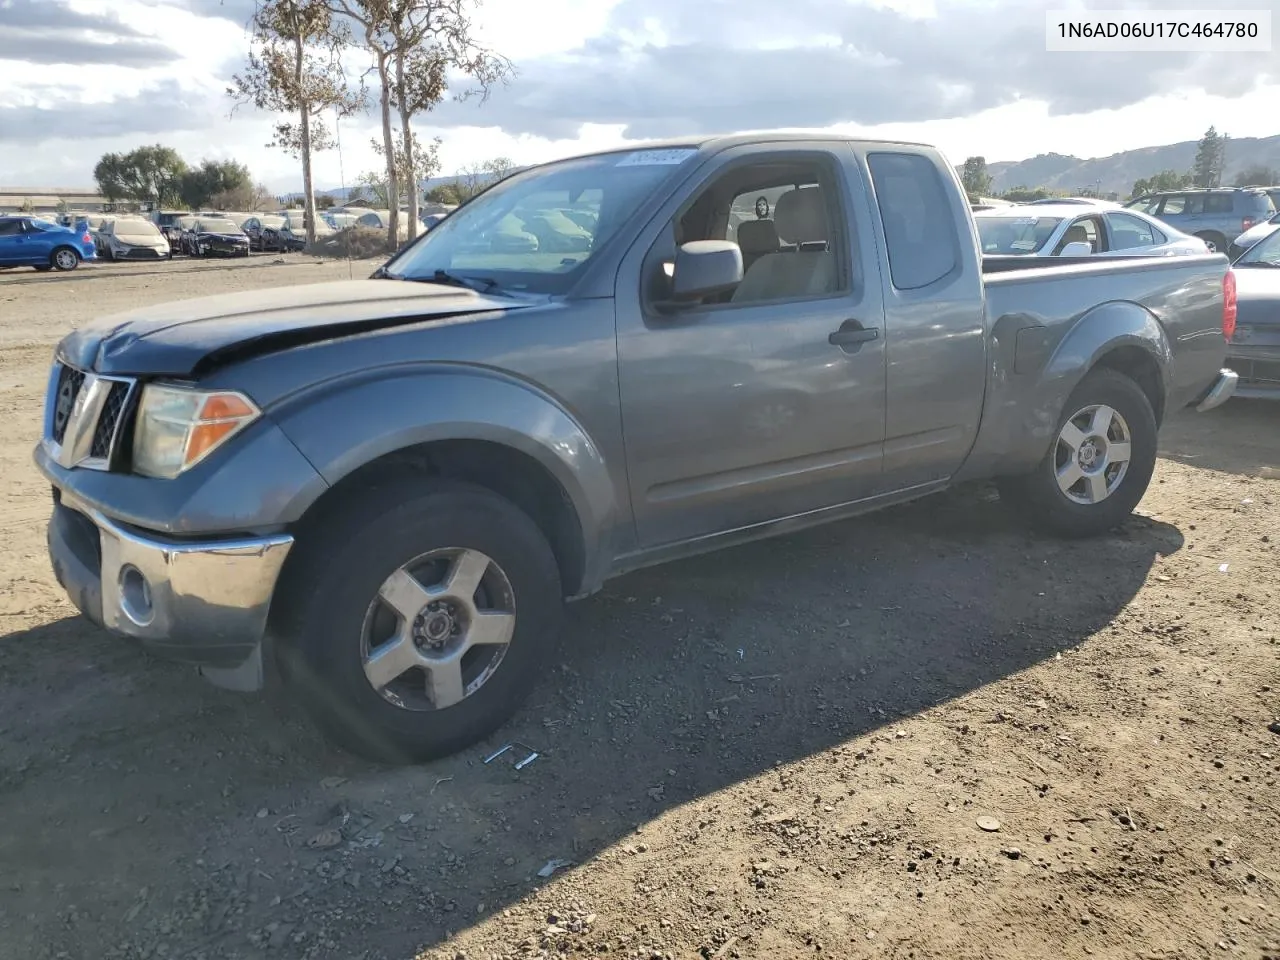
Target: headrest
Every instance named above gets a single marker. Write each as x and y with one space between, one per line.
758 236
1076 233
801 215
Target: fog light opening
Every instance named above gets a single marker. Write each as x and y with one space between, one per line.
135 596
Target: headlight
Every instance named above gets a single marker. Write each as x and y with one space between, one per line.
177 428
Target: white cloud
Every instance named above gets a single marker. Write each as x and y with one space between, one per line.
592 72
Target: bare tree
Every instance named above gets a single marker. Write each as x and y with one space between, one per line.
416 45
294 68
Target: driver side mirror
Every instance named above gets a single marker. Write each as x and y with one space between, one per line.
704 268
1077 248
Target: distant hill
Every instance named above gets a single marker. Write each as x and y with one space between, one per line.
1118 172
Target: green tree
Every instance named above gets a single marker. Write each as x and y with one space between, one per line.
974 176
294 68
1161 182
1211 155
324 201
1258 175
445 193
214 178
151 173
1022 194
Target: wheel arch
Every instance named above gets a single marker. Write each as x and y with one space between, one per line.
474 426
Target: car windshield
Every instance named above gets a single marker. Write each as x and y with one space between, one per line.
1015 235
534 231
1264 253
219 226
136 230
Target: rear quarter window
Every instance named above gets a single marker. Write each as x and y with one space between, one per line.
919 226
1219 203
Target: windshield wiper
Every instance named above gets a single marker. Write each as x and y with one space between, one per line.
480 284
1258 263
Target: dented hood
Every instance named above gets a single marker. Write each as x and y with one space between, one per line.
188 337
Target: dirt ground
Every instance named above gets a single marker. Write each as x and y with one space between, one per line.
782 750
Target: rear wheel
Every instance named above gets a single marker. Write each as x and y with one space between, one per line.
64 258
416 620
1099 465
1216 242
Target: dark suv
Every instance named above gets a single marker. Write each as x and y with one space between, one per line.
1216 215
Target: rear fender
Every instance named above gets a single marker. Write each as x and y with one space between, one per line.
1025 408
344 425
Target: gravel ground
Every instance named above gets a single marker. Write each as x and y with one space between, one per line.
924 734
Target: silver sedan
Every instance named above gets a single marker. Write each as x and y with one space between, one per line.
1075 229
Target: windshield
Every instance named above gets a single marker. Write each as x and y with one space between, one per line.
534 231
273 223
137 230
1021 235
1264 253
219 226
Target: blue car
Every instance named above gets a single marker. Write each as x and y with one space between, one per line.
28 242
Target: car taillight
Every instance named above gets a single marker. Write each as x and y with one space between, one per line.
1229 305
88 237
1246 223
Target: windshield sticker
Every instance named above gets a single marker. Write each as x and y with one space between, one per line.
650 158
1023 245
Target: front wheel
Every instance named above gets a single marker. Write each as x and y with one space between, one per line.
1099 465
64 258
417 619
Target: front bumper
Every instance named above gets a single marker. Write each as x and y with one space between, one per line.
203 602
1222 390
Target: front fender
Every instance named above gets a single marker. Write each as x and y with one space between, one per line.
1024 407
342 425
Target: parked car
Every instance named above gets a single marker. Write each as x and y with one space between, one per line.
398 481
1254 350
292 233
1215 215
1047 230
1255 233
27 241
258 228
170 226
132 238
215 236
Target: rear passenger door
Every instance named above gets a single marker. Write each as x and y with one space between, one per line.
767 402
12 242
936 339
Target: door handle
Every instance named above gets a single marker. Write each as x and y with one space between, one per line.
852 334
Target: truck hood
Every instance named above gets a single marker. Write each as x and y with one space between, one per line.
190 337
1258 296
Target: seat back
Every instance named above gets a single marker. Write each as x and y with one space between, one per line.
807 270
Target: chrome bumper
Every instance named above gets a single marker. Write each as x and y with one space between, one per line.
203 602
1222 390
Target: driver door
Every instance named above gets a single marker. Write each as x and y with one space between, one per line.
764 406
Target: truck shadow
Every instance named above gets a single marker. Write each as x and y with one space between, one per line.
671 685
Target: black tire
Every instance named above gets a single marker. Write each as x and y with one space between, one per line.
1217 242
338 567
64 258
1038 496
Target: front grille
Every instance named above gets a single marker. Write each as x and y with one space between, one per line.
89 417
109 421
70 380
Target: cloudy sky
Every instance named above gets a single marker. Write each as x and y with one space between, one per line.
81 77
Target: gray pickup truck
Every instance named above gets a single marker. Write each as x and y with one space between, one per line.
382 491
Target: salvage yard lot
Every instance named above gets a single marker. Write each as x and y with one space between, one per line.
775 751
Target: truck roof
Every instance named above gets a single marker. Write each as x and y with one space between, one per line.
713 143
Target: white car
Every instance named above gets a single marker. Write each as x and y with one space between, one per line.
1079 230
1255 233
132 238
